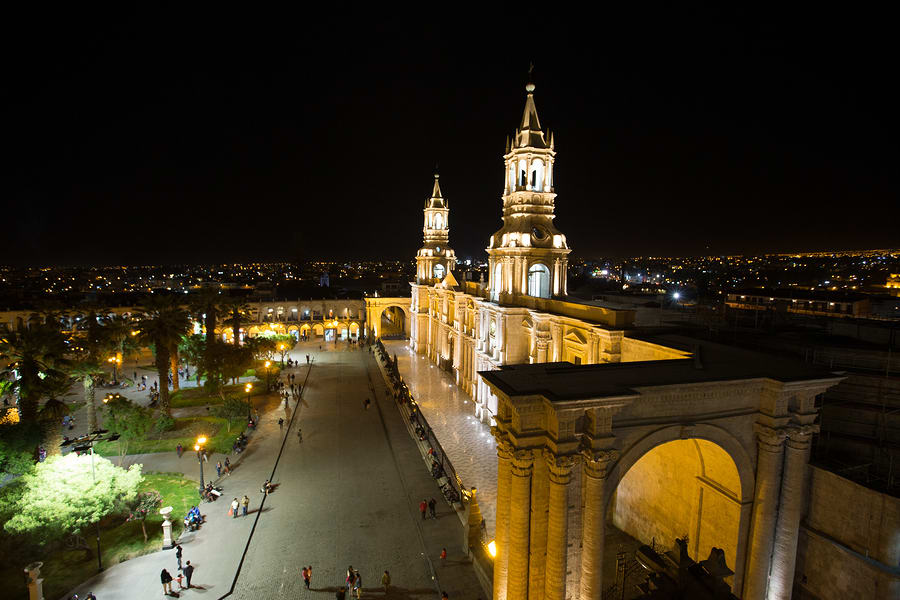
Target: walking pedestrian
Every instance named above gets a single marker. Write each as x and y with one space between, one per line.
367 403
205 456
166 581
178 555
179 449
218 468
226 468
431 507
308 575
386 581
443 555
304 573
188 572
281 422
234 508
180 580
423 506
245 503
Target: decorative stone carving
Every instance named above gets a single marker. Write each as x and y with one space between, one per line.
598 462
560 467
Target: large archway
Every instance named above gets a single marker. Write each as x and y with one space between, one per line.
392 322
678 482
688 489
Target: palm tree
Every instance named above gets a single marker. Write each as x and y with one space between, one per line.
116 331
163 324
238 313
51 414
205 304
33 357
86 372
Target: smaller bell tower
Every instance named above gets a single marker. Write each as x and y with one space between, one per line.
435 259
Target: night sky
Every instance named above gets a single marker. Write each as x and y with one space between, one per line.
140 138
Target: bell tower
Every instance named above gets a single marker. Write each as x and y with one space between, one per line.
435 259
528 255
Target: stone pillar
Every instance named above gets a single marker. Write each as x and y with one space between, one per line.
770 455
34 582
537 555
167 527
501 528
473 523
596 467
790 507
560 468
518 534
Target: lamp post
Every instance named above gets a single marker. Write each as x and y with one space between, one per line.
86 443
115 361
199 448
248 388
268 364
281 349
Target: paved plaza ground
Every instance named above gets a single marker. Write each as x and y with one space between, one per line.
451 414
347 495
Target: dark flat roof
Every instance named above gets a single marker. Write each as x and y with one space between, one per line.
561 381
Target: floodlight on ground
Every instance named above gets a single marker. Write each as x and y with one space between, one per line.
492 548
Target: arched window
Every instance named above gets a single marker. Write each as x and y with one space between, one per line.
438 221
539 281
537 175
523 173
439 271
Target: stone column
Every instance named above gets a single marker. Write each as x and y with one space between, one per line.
501 528
167 527
34 582
519 513
770 455
596 468
560 468
790 507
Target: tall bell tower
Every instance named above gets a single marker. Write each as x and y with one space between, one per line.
435 259
528 255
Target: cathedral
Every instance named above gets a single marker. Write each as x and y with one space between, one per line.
522 314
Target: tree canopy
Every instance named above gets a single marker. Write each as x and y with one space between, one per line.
131 421
61 496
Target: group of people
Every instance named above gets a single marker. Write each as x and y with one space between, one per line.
193 519
243 505
185 573
353 582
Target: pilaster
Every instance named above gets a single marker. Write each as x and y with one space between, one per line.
501 529
560 474
790 508
537 559
596 468
770 455
519 512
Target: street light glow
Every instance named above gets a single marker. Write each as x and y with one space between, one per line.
492 548
201 440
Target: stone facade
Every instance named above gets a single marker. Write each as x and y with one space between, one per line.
750 505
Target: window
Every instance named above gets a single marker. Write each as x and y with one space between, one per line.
539 281
438 221
439 271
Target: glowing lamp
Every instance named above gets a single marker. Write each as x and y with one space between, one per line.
201 440
492 548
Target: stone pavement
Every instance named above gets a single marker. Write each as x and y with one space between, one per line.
347 495
450 413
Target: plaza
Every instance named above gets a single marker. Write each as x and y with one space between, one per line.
348 495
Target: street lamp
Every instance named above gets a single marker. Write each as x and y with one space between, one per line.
116 361
267 365
199 448
281 349
248 388
86 443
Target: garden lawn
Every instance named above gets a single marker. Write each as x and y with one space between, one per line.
65 568
198 396
187 430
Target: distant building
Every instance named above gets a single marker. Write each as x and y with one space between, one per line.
801 302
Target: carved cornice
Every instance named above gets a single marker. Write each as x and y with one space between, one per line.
522 463
800 436
560 467
598 462
769 439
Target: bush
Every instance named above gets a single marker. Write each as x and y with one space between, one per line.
164 423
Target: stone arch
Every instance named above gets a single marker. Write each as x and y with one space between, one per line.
318 330
729 445
354 329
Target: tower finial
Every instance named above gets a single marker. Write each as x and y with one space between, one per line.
529 87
